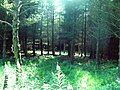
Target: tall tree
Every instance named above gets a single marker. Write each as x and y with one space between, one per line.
41 29
85 29
53 38
48 43
98 28
72 13
15 11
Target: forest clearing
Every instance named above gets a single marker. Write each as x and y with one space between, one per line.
59 44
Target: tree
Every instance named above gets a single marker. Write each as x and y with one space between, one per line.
115 6
16 12
85 29
53 39
98 28
72 13
4 17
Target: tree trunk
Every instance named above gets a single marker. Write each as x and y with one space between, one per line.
48 46
78 47
119 61
85 33
92 49
59 37
15 40
25 43
41 43
97 53
69 48
48 36
4 43
4 47
82 46
33 45
59 47
53 44
64 47
72 49
33 38
15 33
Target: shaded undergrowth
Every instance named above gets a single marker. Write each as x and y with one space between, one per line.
49 73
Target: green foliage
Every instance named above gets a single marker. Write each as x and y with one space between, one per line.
1 75
47 73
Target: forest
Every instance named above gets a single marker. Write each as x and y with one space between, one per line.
59 44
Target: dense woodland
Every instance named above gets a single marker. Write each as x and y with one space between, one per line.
72 31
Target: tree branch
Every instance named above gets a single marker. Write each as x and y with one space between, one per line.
1 36
28 9
1 21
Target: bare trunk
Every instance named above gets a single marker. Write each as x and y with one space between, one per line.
59 47
59 37
85 33
92 49
25 43
15 39
41 42
33 38
72 50
82 46
33 45
16 46
48 46
25 46
47 36
65 47
4 44
119 61
69 48
97 53
53 44
78 49
4 47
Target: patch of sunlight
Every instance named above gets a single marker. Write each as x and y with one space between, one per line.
7 5
84 81
118 80
47 57
46 52
69 87
87 82
80 64
64 53
1 77
58 67
59 72
79 55
58 6
45 86
52 57
11 73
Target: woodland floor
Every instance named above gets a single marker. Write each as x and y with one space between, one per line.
50 73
